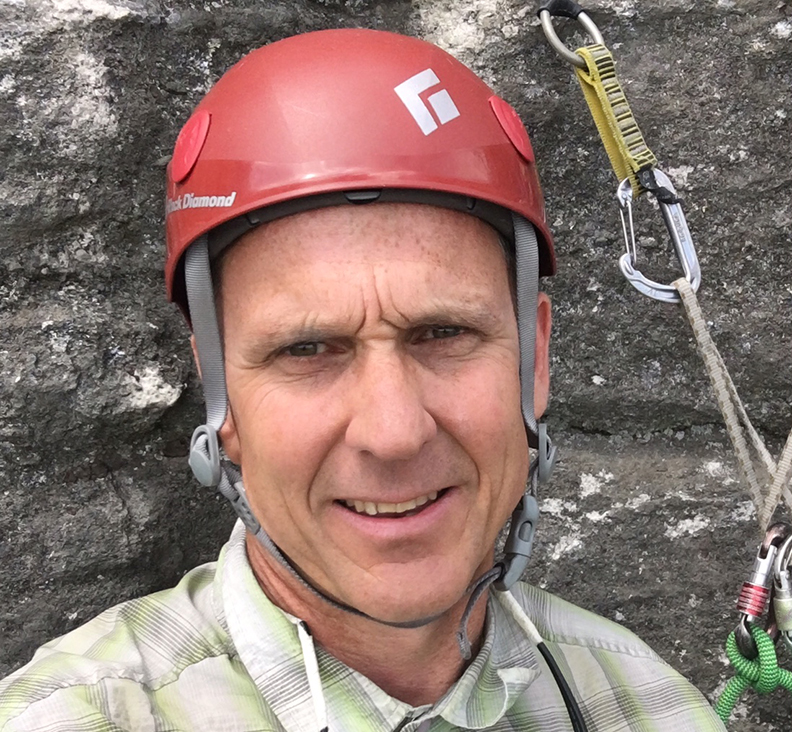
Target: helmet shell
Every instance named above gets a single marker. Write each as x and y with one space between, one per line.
344 110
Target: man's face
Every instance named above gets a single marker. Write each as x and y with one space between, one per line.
372 368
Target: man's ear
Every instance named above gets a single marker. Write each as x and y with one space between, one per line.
542 355
229 438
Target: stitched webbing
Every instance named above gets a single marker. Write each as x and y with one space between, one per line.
621 136
208 343
526 252
738 425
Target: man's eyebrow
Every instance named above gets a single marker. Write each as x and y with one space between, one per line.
282 333
475 315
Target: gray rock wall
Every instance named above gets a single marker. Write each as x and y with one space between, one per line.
646 521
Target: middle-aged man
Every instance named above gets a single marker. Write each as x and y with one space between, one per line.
355 233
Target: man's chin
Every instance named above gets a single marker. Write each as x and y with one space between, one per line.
417 606
413 592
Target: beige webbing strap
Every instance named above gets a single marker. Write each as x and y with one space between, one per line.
738 425
621 136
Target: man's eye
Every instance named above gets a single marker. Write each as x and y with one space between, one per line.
309 348
436 332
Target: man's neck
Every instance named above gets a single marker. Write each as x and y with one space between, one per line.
415 665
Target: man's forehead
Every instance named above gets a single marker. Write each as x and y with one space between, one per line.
398 226
341 257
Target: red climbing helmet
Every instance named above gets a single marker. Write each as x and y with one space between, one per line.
360 115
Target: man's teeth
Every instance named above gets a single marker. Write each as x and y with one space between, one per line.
372 509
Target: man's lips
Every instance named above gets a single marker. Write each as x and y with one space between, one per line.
381 509
421 523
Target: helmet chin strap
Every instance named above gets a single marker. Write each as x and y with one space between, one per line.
525 516
519 542
211 471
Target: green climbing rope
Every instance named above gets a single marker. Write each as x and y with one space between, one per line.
762 673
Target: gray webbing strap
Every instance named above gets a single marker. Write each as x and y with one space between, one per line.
526 251
266 541
524 519
527 261
203 314
204 446
478 588
205 459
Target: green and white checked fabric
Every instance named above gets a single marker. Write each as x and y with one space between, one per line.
214 654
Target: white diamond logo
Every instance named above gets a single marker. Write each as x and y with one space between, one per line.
440 102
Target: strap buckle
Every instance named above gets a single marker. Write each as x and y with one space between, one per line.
205 456
524 520
520 540
660 186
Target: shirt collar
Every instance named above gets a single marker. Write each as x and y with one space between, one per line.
503 669
266 640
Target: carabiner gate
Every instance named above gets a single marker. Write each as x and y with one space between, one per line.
782 596
675 222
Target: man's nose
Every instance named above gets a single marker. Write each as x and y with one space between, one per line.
389 419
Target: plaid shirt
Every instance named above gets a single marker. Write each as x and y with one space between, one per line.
214 654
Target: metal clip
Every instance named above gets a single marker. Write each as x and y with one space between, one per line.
755 593
782 585
567 9
677 228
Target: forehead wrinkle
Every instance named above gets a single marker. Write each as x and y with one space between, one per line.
340 319
473 306
436 310
286 319
410 245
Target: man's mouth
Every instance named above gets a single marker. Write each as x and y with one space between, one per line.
394 510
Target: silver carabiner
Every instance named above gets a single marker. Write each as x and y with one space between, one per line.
758 589
567 9
677 228
782 600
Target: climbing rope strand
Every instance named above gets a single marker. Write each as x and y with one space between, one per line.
781 478
781 472
756 440
722 373
738 424
710 351
761 673
726 397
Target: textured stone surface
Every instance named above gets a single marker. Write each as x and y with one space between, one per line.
654 534
97 395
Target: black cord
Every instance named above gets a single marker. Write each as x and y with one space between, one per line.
575 715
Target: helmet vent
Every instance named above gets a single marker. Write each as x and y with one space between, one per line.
363 196
189 145
513 127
